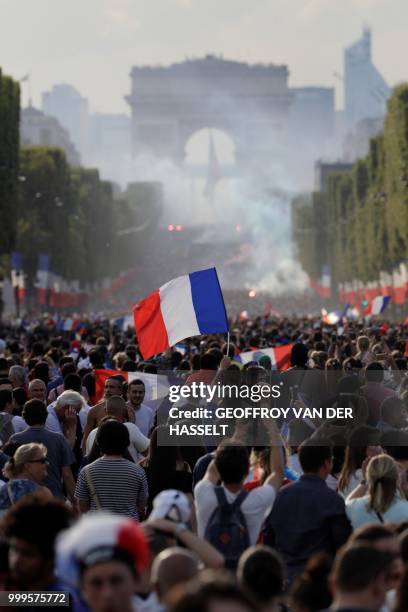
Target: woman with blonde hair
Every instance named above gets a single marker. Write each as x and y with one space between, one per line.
26 471
378 499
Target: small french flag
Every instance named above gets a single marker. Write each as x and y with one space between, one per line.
279 356
186 306
378 305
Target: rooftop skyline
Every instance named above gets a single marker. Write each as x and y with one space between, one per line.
94 44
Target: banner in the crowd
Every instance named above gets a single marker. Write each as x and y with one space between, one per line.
17 275
43 266
393 285
123 323
70 294
16 268
186 306
400 284
378 305
279 356
325 282
156 385
322 285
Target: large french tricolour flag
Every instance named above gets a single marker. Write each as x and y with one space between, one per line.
156 385
186 306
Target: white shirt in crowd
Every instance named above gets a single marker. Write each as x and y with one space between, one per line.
53 422
144 419
138 442
360 514
149 604
255 507
83 414
17 422
354 481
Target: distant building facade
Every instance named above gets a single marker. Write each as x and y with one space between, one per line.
365 90
312 128
36 128
109 132
67 105
313 112
109 144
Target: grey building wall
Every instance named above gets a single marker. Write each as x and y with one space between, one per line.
67 105
365 90
36 128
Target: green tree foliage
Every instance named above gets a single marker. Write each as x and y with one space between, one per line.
96 225
304 233
9 160
72 215
396 174
68 213
359 226
47 211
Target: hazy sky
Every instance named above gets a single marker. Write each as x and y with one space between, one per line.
92 44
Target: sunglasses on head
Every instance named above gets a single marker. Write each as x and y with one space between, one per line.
42 460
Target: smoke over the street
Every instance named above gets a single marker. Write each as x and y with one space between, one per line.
251 212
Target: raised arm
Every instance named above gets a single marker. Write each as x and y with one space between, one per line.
209 556
212 474
276 457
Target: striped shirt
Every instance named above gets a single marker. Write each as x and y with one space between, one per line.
119 484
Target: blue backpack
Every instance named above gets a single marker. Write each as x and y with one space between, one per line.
227 529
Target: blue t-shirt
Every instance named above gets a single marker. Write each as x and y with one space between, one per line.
14 490
59 454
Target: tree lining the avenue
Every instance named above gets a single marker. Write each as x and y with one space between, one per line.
359 225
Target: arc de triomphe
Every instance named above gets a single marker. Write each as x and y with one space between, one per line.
249 102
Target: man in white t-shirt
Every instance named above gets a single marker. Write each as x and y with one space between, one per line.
138 413
230 468
116 409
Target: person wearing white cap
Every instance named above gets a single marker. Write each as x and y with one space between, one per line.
171 515
172 505
167 528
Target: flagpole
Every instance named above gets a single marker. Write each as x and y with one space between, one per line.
228 343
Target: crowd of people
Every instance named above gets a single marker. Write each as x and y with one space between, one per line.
305 514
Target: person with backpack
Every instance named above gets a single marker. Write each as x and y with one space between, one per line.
228 516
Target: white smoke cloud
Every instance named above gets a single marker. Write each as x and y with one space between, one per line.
259 204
